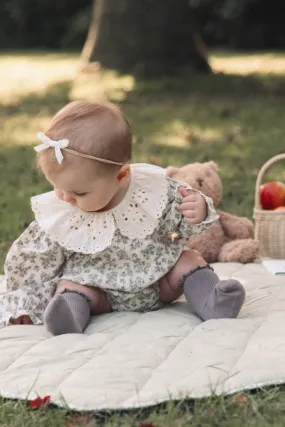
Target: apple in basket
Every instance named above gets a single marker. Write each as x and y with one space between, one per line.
272 195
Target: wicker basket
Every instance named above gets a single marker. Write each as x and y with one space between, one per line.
269 225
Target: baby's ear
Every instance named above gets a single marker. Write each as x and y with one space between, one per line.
171 170
123 173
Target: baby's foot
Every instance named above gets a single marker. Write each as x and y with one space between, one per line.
212 298
67 313
226 300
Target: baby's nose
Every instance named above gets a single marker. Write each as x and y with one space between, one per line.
68 198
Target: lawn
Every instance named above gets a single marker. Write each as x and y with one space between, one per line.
235 117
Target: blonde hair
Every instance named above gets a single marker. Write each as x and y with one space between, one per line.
98 130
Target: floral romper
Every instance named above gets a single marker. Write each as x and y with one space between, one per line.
124 251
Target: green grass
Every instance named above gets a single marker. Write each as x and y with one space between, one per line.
235 117
265 408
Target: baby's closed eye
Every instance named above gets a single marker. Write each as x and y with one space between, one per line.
80 194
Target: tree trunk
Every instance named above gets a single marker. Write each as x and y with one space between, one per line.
145 37
94 27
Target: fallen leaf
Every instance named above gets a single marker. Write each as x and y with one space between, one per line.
240 398
46 401
86 420
36 403
147 425
39 402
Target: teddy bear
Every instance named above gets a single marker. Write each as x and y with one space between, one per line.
230 238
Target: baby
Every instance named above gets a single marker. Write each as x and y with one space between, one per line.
111 235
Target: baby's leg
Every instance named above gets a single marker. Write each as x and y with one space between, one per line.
209 297
70 309
99 303
171 285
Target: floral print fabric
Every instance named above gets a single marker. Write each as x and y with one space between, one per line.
128 270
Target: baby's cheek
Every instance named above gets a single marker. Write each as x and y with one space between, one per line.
82 205
58 194
87 205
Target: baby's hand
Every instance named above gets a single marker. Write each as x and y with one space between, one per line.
193 206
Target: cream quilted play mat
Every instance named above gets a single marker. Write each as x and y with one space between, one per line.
128 360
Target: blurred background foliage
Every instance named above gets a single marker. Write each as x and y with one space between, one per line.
235 24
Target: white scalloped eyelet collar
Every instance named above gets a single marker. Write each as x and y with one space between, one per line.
135 217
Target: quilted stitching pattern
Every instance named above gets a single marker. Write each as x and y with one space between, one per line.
127 360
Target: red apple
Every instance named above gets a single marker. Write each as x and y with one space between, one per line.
272 195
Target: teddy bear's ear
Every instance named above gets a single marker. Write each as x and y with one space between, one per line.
213 166
171 170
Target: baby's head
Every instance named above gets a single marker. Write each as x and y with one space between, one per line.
96 130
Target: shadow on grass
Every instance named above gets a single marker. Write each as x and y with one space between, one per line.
216 84
48 101
202 85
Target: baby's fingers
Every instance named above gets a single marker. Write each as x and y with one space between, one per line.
185 193
187 206
190 214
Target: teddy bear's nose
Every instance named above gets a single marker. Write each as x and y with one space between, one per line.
199 181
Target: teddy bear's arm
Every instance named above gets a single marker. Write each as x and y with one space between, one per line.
235 227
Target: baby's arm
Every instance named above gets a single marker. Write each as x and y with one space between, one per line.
190 212
32 271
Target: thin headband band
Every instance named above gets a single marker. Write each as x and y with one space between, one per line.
62 145
87 156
